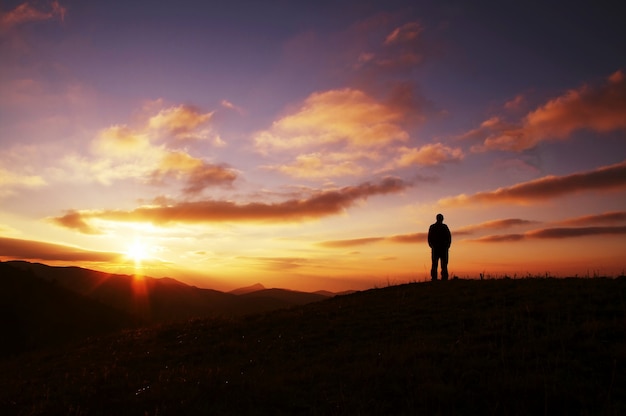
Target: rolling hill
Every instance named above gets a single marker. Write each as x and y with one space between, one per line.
517 347
44 305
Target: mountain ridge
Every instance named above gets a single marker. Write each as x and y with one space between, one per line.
119 301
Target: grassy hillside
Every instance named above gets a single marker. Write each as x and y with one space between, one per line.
530 346
36 313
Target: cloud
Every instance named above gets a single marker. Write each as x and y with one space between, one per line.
149 152
196 174
350 242
321 204
335 133
323 165
554 233
614 217
602 179
403 48
500 238
12 180
181 122
428 155
422 237
407 33
575 232
13 248
25 13
597 108
276 263
75 220
122 142
494 225
409 238
516 103
346 116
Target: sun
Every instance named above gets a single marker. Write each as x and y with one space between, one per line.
137 251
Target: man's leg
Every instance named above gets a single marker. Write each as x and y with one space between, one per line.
433 269
444 265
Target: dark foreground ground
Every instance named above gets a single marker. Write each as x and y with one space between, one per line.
519 347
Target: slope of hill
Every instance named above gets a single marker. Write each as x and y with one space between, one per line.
36 313
519 347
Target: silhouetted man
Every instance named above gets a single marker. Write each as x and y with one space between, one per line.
439 240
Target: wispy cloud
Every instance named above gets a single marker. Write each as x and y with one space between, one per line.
601 179
76 221
413 238
427 155
598 108
350 242
13 248
340 130
25 13
181 122
195 173
337 116
554 233
613 217
150 152
494 225
321 204
346 132
10 181
323 165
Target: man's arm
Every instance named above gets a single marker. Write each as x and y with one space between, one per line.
430 236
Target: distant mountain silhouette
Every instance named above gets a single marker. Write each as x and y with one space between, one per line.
38 313
243 290
283 298
47 302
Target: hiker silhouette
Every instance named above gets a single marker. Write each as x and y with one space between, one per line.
439 240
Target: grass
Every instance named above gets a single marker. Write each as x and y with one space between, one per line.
509 346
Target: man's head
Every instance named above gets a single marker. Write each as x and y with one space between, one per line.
439 218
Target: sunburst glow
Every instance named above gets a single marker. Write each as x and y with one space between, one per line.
138 252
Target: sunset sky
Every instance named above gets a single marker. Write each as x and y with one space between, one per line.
309 145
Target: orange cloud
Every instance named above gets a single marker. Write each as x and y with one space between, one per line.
25 13
11 180
554 233
494 225
402 48
597 108
75 220
339 130
121 141
408 32
323 165
133 152
413 238
321 204
181 122
196 173
350 242
13 248
614 217
602 179
338 116
428 155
